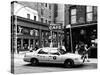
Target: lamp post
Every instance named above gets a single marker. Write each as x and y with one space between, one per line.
69 26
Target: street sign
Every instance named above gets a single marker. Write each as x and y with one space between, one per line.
55 26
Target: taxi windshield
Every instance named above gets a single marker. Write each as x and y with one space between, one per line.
62 51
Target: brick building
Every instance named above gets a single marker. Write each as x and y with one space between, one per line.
83 26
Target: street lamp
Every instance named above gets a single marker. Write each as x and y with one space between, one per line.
69 26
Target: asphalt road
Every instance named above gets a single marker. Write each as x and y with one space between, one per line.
22 67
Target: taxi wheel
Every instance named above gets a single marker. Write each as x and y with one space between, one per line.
69 63
34 62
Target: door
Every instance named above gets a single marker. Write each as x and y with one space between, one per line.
55 57
42 56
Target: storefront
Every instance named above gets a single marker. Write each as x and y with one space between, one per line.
30 34
33 34
86 34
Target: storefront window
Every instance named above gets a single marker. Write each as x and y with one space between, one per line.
25 44
31 32
36 33
18 43
19 29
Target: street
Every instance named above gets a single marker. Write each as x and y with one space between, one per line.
21 67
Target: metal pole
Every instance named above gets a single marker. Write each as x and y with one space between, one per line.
51 44
71 40
16 34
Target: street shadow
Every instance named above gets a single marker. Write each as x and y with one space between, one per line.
53 65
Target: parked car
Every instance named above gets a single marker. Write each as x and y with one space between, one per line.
53 55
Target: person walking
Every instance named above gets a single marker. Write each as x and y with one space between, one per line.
31 48
86 52
76 49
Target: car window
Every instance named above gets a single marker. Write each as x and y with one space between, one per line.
54 52
42 52
62 51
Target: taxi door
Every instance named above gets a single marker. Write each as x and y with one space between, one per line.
55 57
42 56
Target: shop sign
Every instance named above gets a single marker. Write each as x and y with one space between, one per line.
55 26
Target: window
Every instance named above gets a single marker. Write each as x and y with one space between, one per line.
45 4
35 18
89 11
36 32
43 51
45 21
95 13
62 51
28 16
49 16
42 20
49 22
42 4
73 16
49 6
54 52
41 11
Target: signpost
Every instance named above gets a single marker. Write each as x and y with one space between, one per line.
69 26
54 27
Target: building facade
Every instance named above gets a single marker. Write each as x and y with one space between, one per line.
59 14
83 27
45 10
29 29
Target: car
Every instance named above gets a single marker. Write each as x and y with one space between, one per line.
53 55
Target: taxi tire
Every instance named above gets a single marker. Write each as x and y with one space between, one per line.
34 61
69 63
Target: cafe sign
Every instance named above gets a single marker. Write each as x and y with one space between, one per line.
55 26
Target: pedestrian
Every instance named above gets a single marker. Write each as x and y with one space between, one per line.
86 52
31 48
76 49
36 47
81 48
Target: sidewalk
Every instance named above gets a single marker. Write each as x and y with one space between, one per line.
92 60
20 55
